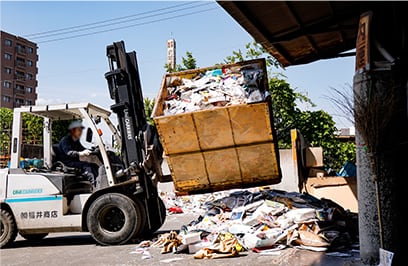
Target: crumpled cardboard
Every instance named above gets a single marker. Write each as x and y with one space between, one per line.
231 222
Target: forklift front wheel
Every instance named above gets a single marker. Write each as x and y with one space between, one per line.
8 229
113 219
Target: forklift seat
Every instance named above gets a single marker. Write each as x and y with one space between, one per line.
69 184
55 155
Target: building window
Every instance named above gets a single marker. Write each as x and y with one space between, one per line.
29 90
7 84
30 50
28 102
20 48
6 99
29 76
30 63
18 102
8 42
20 75
7 70
20 62
7 56
20 88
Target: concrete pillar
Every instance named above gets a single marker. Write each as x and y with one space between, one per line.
390 167
367 206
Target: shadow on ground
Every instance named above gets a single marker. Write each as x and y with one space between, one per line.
76 240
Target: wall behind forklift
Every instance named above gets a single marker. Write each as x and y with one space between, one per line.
314 157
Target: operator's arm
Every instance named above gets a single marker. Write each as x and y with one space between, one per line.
67 148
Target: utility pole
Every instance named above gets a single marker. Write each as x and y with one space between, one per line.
381 118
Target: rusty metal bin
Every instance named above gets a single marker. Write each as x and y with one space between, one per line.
222 148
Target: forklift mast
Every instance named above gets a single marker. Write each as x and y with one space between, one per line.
125 89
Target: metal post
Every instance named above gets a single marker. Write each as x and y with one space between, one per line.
16 139
47 143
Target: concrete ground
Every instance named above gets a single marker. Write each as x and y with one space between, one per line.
81 249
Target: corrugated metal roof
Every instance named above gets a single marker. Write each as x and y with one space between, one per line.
301 32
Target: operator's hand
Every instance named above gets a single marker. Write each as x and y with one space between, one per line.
84 153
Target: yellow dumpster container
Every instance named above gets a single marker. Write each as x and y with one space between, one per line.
222 148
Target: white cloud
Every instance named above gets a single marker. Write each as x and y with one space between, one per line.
45 101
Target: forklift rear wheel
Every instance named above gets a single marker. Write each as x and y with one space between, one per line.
33 237
8 229
113 219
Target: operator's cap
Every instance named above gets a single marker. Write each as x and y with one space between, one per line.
75 124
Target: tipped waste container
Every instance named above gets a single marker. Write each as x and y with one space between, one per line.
216 128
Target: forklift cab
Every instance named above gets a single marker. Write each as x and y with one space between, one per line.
93 116
53 198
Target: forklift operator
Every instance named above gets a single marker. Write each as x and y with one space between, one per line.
75 155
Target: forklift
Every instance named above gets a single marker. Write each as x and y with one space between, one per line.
124 205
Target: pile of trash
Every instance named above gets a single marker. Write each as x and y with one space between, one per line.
216 88
265 222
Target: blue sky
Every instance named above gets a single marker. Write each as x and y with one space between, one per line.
73 70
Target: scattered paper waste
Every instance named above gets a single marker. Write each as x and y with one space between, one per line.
190 238
171 260
385 257
146 255
263 220
215 88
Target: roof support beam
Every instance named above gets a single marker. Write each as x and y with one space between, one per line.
263 37
299 23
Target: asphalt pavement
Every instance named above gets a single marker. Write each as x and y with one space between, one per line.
80 249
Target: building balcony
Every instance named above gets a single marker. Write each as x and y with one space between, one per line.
20 50
20 64
19 77
19 92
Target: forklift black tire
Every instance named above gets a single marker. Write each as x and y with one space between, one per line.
8 229
157 223
33 237
113 219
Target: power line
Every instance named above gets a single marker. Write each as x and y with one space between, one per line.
119 22
108 20
129 26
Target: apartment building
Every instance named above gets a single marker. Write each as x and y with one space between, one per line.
18 71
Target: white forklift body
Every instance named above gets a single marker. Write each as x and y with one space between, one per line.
57 198
38 204
41 202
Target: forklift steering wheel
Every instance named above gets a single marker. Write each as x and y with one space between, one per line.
95 150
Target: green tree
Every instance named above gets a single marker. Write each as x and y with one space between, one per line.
148 105
188 62
6 120
59 130
253 51
285 109
32 130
